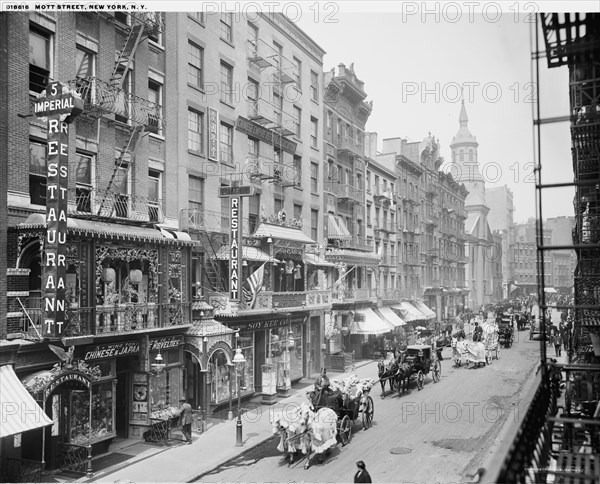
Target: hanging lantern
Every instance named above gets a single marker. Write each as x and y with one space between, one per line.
108 274
135 276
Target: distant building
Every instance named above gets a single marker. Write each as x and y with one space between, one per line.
480 241
501 219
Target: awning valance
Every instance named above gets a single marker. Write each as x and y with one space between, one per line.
409 312
248 253
370 323
20 412
421 306
110 230
391 317
283 233
357 257
208 327
314 260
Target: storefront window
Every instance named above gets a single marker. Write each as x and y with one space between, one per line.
102 414
246 343
285 350
218 376
165 390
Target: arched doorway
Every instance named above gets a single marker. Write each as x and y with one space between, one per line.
218 379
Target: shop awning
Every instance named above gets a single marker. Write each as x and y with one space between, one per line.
356 257
391 317
314 260
20 412
550 290
421 306
248 253
333 229
111 230
409 312
370 323
208 327
283 233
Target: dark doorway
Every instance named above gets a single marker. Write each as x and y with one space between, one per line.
123 403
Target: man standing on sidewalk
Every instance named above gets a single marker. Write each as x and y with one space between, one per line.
185 420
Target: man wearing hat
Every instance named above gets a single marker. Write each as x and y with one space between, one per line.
185 420
361 475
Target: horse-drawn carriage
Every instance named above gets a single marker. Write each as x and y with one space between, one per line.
491 340
327 419
480 352
422 359
506 330
412 364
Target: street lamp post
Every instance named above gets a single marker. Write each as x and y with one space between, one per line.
239 362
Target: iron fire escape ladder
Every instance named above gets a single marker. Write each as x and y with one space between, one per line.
123 166
212 267
123 64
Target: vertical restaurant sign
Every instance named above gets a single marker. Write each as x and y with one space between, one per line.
55 101
213 134
235 248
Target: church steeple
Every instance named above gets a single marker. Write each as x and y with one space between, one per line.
464 157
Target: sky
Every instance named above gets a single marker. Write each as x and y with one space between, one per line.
413 64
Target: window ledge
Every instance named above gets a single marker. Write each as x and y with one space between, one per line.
199 89
227 104
228 42
196 153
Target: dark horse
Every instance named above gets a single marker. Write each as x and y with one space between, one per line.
387 373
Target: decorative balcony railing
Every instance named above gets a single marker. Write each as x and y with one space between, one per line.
88 202
101 98
391 295
351 295
345 191
357 243
277 300
383 194
113 319
349 145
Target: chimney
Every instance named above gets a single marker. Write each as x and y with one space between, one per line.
371 145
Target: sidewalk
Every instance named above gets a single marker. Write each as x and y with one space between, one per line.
208 450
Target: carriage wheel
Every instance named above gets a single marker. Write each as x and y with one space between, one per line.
437 371
420 380
367 414
345 430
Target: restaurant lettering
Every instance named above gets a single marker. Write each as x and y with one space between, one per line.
78 377
235 253
55 103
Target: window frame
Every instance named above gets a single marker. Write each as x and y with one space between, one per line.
226 30
155 204
314 86
49 38
227 130
314 132
199 79
200 123
41 178
157 130
226 77
314 177
83 186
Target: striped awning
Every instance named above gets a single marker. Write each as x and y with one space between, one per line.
370 323
342 225
273 231
248 253
421 306
334 230
391 317
20 412
409 312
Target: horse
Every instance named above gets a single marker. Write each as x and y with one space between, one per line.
403 376
387 372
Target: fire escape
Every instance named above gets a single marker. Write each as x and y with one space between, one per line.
270 114
112 99
559 437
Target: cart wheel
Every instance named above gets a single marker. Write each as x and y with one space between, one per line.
367 414
420 379
437 371
345 430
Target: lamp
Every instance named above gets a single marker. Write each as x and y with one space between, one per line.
239 361
291 342
269 240
158 364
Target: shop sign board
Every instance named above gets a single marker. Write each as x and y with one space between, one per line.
66 377
267 323
55 103
167 343
265 134
114 350
213 134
